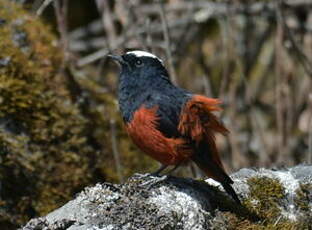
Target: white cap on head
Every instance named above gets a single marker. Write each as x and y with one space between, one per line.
139 53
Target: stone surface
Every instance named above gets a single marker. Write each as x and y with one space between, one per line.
147 202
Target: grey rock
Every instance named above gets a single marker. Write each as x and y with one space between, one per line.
44 224
302 173
290 180
141 203
147 202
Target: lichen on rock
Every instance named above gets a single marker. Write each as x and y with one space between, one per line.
272 199
179 203
139 203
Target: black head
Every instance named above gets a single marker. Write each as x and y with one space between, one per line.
142 80
140 65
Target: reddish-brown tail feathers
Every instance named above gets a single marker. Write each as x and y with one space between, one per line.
198 123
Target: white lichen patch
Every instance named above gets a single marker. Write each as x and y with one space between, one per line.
108 227
99 194
188 210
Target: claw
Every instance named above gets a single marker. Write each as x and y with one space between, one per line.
154 180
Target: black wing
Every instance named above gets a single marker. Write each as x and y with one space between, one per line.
168 121
169 110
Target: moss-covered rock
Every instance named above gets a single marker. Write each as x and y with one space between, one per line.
303 202
265 197
273 199
44 153
147 202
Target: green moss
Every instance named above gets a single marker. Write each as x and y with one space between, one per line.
265 197
235 222
303 198
44 153
262 208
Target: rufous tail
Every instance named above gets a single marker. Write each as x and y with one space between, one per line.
199 124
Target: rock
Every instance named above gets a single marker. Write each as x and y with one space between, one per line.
139 204
279 198
42 223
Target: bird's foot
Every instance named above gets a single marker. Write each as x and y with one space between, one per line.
141 176
153 180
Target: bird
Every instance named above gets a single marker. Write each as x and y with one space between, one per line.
169 123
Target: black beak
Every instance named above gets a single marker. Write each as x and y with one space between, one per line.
117 58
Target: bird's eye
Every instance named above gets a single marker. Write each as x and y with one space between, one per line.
138 62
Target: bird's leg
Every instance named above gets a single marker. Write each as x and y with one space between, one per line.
175 167
153 174
155 177
158 171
